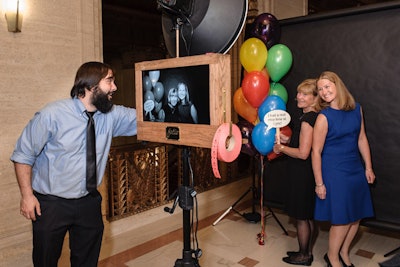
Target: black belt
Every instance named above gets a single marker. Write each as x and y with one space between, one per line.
53 197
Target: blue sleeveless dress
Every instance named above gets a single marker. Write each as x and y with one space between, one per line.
348 196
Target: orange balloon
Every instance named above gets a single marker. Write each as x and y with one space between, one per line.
243 108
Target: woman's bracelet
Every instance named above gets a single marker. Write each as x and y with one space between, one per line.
319 185
368 170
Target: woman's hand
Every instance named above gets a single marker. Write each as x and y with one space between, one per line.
369 173
284 138
278 148
320 190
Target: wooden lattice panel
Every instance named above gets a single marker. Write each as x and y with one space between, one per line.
203 176
141 177
138 179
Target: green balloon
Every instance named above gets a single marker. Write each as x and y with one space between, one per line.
279 61
278 90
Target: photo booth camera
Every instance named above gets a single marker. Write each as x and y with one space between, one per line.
201 31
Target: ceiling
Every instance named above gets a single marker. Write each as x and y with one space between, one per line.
134 26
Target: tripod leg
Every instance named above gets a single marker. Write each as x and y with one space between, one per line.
232 207
222 216
277 220
391 252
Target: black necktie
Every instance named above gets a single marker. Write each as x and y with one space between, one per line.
91 181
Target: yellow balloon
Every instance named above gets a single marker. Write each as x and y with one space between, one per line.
253 54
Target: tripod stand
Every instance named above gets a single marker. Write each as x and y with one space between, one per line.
253 216
185 197
392 252
271 212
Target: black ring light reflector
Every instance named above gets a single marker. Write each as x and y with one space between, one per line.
205 26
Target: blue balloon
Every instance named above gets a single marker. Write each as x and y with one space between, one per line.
272 102
263 138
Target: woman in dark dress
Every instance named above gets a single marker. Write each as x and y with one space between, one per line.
341 174
300 187
187 110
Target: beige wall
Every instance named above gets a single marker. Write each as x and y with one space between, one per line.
283 9
38 66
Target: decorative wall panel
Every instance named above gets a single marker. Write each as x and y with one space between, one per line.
138 179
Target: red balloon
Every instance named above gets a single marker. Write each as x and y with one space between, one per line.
263 71
255 87
286 131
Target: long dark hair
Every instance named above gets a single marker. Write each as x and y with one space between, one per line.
88 76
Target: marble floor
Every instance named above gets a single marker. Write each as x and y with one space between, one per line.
233 241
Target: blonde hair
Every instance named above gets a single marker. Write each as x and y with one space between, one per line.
345 100
309 86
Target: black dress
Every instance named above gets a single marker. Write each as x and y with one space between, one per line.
185 114
171 114
300 199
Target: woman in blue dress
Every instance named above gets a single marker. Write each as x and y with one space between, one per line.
341 174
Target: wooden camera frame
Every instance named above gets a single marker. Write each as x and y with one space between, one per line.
217 98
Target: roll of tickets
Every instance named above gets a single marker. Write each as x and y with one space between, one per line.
226 145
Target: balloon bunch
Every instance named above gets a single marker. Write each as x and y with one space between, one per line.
265 63
261 99
152 96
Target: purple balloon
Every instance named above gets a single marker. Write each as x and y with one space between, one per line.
247 146
266 28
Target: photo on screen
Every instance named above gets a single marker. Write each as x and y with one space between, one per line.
179 95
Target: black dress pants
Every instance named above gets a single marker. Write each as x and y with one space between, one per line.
81 218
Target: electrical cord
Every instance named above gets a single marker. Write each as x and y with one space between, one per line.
195 219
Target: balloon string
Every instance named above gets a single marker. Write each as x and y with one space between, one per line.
224 103
261 236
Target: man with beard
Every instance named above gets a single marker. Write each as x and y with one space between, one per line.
50 165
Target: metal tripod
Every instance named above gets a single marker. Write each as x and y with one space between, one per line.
185 195
252 216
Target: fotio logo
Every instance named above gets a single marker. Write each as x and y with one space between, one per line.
172 133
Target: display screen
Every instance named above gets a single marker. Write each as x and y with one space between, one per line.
179 95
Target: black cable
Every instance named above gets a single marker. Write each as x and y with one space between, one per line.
187 47
194 229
